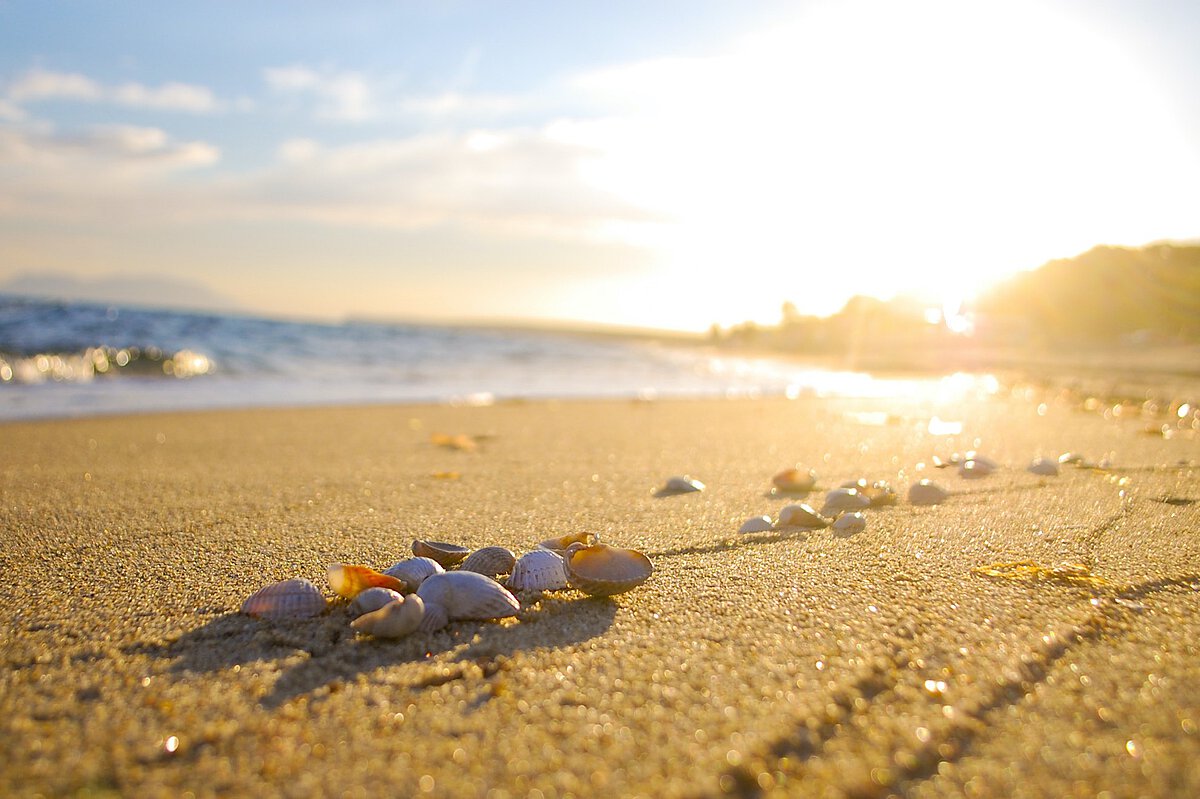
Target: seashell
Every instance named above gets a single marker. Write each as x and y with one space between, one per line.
844 499
756 524
601 570
539 570
1043 466
349 581
860 484
879 494
976 467
373 599
296 598
413 571
463 595
446 555
849 524
393 620
794 481
491 561
800 516
680 485
927 492
560 544
1071 457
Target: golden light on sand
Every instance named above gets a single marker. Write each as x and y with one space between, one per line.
932 150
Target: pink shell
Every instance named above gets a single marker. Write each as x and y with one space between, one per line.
296 598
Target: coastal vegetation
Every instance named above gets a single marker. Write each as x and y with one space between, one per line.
1106 299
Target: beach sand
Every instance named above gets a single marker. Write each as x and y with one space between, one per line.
779 663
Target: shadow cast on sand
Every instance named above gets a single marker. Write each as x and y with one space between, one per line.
328 652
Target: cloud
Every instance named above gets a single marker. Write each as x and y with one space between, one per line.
342 96
518 182
39 85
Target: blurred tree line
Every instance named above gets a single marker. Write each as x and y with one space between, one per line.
1108 296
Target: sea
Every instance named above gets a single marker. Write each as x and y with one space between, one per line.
69 359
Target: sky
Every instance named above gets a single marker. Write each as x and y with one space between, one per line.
662 164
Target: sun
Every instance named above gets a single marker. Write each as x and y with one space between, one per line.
883 148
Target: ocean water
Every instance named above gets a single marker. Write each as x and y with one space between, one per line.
61 359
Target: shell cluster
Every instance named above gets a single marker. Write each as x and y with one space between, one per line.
445 582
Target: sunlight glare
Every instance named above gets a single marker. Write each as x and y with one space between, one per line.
931 150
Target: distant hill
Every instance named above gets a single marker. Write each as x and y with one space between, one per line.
151 291
1102 296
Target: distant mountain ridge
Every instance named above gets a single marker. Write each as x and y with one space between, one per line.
150 291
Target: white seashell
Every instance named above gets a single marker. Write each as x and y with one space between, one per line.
491 561
974 469
373 599
756 524
794 481
972 455
539 570
849 523
463 595
413 571
296 598
445 554
1071 457
1043 466
393 620
601 570
927 492
800 516
680 485
844 499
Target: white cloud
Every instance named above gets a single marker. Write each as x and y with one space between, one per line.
341 95
39 84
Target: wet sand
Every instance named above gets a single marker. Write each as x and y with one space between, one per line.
780 663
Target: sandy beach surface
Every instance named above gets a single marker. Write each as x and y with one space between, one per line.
791 663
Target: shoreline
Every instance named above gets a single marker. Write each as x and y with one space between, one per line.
779 663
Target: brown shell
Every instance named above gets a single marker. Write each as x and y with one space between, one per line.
288 599
562 542
349 581
601 570
794 481
447 555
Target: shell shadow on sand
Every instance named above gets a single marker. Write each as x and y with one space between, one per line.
332 654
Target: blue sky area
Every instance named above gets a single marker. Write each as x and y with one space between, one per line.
667 164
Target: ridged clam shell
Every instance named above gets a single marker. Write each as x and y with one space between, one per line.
561 543
349 581
464 595
794 481
296 598
445 554
489 561
373 599
1043 466
680 485
800 516
844 499
601 570
539 570
849 524
393 620
413 571
756 524
927 492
